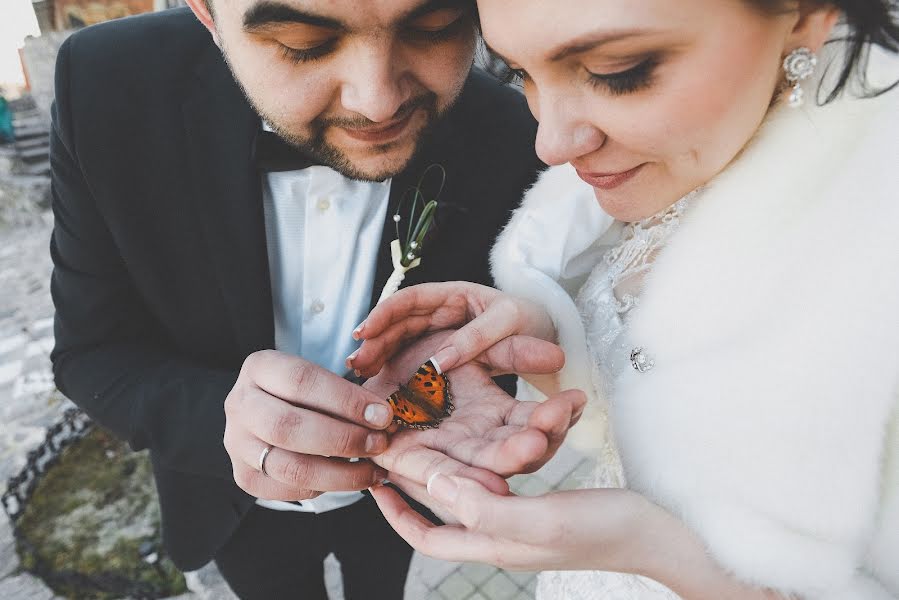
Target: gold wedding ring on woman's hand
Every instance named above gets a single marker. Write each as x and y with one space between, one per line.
262 456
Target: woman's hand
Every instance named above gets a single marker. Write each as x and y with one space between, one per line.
483 316
594 529
490 435
583 529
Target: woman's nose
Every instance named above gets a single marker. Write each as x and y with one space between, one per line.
563 134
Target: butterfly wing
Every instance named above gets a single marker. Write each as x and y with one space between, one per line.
424 401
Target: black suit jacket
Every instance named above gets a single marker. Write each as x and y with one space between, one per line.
161 279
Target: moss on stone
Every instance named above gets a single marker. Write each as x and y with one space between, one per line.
84 526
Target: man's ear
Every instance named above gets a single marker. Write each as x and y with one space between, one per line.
204 15
816 21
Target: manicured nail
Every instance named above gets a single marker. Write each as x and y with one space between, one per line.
357 333
445 360
377 414
351 358
357 372
442 488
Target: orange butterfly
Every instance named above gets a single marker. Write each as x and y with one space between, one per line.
423 402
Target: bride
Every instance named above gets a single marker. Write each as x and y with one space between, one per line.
716 251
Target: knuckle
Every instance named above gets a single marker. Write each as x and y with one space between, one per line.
361 477
344 442
284 427
509 307
304 377
476 338
349 406
299 473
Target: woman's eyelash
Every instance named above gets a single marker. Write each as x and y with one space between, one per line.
297 56
627 82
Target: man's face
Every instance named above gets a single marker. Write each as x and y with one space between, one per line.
353 84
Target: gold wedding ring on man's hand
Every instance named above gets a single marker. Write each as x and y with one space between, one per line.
262 456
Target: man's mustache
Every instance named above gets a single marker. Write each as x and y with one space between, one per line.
405 109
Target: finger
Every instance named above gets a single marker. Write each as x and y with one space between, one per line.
305 384
424 299
297 429
418 463
493 515
419 493
305 472
445 542
374 352
523 354
439 541
500 320
260 486
522 452
557 414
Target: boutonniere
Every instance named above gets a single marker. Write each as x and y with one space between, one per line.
406 249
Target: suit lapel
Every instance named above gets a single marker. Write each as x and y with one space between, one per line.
227 197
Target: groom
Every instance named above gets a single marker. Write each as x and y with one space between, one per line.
224 182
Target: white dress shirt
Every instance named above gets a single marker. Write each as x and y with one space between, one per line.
323 233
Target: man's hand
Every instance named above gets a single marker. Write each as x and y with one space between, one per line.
489 430
312 419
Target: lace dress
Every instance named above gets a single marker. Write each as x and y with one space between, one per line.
606 299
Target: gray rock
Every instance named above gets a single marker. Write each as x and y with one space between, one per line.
24 587
9 560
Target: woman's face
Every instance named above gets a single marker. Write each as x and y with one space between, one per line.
648 99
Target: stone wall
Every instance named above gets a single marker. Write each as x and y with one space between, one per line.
39 56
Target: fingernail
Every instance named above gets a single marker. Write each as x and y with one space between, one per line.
351 358
357 333
445 360
357 372
380 476
375 443
442 488
377 414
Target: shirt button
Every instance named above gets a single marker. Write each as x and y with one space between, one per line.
323 204
317 306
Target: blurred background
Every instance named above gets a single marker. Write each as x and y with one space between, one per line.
81 519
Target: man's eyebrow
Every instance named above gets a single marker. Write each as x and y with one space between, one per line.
269 13
429 6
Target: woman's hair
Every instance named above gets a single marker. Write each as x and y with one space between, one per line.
865 23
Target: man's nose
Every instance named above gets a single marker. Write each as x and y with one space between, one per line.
564 132
376 84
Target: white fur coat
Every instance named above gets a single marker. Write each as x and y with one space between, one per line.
770 422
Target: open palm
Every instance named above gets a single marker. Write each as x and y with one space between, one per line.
490 435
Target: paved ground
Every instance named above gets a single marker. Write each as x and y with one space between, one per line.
29 404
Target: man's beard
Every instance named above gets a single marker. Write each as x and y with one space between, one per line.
317 148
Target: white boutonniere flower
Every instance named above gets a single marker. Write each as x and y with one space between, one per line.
406 249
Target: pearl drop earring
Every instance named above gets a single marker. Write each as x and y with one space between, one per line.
798 66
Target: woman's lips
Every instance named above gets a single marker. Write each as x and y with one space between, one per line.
608 181
382 133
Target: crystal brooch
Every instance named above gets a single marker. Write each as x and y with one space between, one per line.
640 361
